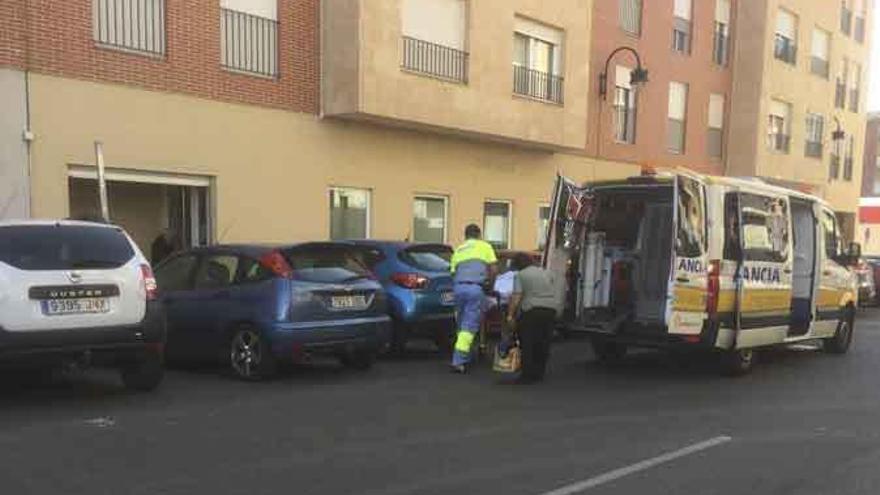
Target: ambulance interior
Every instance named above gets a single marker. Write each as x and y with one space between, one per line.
621 272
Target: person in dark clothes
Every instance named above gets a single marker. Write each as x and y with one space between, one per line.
161 248
532 310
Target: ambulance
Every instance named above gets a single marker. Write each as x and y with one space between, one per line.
681 260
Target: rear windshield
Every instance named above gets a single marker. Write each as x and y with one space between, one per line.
328 264
434 258
63 247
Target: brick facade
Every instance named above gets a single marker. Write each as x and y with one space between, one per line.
55 38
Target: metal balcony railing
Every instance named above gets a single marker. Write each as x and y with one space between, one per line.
435 60
813 149
779 142
721 49
785 49
624 124
537 84
248 43
819 66
137 25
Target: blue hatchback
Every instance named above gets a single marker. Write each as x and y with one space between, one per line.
256 306
419 286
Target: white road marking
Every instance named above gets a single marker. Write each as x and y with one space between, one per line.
639 466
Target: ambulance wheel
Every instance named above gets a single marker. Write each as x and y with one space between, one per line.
608 352
842 339
737 362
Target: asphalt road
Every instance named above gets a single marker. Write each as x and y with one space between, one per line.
802 423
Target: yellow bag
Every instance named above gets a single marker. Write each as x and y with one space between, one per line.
508 364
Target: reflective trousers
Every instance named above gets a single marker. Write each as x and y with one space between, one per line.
469 310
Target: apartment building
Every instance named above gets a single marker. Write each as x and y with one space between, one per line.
284 120
869 204
798 113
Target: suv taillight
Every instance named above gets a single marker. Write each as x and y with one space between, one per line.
275 263
149 281
410 280
714 288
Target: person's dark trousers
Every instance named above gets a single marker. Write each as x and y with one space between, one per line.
535 329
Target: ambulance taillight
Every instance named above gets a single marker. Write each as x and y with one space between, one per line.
714 288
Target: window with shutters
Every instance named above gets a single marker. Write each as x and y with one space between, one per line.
859 24
537 61
435 38
721 46
715 143
630 16
848 158
624 107
779 127
840 86
820 49
249 36
136 25
676 122
855 87
785 45
815 131
681 26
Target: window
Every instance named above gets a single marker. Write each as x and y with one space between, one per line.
855 87
721 48
840 88
496 224
764 228
429 219
832 240
848 157
543 225
859 26
716 126
431 257
779 126
435 38
137 25
325 263
676 122
252 271
249 36
691 237
681 26
537 61
630 12
815 135
176 273
624 107
819 60
349 213
846 16
785 47
63 247
732 250
216 272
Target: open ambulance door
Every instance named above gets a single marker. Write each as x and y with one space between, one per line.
688 290
570 210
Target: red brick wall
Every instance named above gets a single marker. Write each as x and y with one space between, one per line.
61 44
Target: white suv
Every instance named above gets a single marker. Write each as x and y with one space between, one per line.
73 290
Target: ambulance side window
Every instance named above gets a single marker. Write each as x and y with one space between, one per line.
765 235
691 238
832 243
732 250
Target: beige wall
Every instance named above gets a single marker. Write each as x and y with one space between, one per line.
272 169
363 79
799 87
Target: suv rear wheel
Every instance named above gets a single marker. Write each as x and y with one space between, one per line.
144 373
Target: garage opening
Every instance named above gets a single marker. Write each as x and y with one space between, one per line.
147 210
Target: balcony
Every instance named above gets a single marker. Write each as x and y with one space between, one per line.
249 43
721 49
537 84
435 60
819 67
785 49
779 142
813 149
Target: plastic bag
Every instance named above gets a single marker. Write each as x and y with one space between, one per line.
511 363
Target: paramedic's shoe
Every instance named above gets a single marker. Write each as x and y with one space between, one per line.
458 369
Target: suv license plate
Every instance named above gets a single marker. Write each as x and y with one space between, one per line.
54 307
348 302
447 297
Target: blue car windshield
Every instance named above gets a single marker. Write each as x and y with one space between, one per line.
429 257
325 264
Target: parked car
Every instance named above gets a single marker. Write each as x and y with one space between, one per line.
865 273
79 292
874 263
255 307
419 286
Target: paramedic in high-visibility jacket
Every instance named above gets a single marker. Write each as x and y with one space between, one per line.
472 266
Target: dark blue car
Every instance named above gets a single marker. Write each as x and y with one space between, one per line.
256 306
419 286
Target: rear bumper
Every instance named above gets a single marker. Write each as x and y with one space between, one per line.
421 308
289 339
103 342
